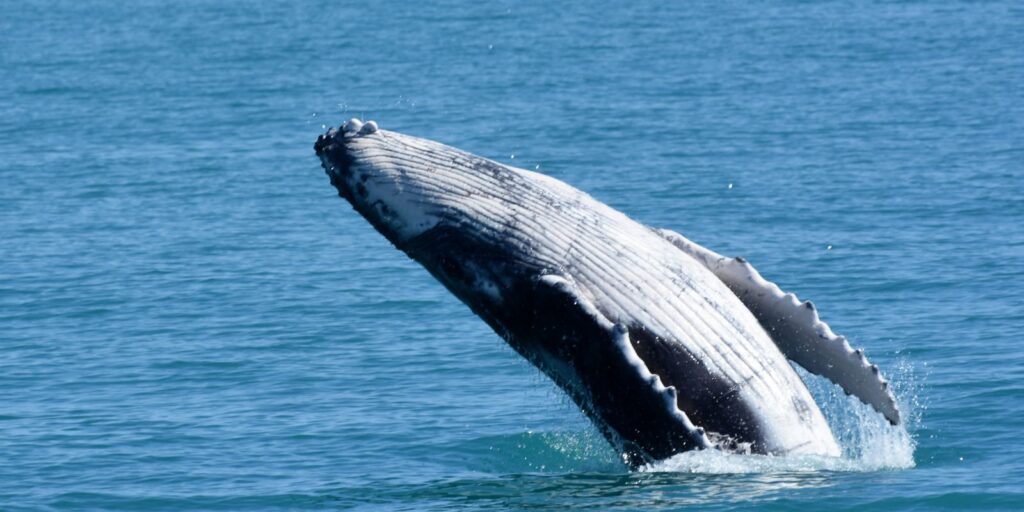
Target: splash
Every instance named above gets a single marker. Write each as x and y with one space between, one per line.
720 462
869 443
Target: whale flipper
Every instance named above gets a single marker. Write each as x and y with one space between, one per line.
611 373
796 329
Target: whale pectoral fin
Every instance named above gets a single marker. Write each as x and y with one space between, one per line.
796 328
616 383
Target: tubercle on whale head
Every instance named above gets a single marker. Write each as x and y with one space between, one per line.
352 128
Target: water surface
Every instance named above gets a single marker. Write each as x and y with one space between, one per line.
191 319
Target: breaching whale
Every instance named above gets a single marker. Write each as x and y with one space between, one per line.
665 345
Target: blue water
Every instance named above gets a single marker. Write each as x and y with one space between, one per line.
191 319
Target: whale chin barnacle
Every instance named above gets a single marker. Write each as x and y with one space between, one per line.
352 126
368 128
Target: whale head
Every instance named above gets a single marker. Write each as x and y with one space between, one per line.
447 209
395 196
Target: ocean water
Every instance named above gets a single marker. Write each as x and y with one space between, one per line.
190 319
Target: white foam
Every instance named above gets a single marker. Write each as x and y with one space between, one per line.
889 452
720 462
868 441
865 436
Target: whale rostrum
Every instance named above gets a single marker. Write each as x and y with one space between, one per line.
665 345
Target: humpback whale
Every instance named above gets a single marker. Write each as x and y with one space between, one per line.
665 345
